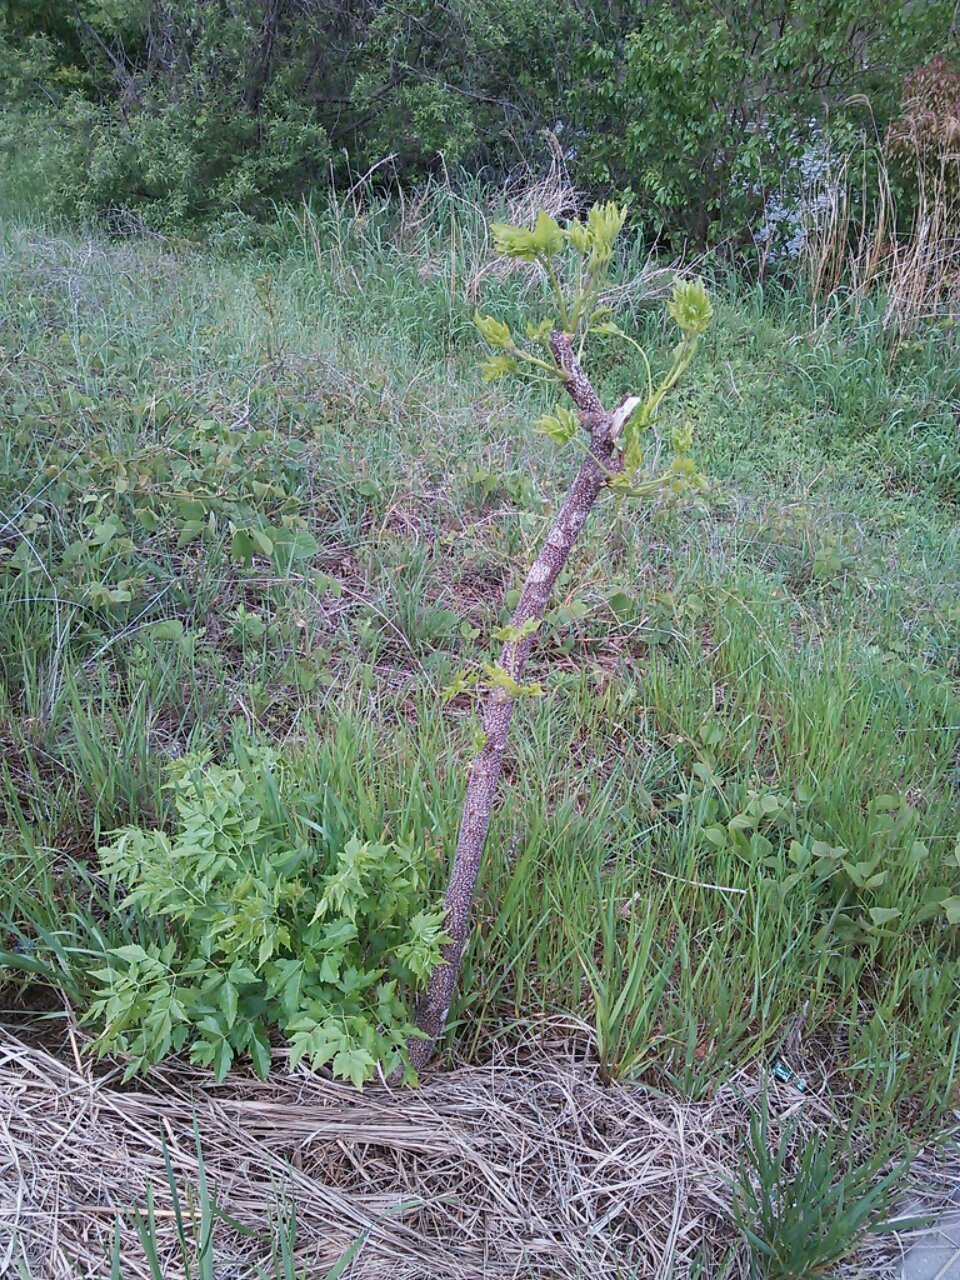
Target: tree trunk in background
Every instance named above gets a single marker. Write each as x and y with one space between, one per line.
264 61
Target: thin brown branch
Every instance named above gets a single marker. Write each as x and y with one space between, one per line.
602 461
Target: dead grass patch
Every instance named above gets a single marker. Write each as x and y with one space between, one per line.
529 1166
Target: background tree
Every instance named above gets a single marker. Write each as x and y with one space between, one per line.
695 111
691 111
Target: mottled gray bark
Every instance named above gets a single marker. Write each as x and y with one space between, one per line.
602 460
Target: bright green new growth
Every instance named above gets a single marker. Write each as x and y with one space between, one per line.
804 1201
263 930
576 261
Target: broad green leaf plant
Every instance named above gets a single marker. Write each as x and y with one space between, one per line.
574 263
269 931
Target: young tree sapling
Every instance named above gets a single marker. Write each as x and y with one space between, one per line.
575 263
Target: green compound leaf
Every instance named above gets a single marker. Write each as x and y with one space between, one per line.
493 331
562 425
690 307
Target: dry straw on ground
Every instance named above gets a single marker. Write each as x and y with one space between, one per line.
529 1167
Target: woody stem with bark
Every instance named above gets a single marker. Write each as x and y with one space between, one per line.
602 460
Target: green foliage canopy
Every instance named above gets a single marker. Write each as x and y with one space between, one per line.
695 110
689 110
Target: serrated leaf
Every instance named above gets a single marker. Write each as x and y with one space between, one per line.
259 1050
547 236
513 634
500 679
493 331
539 332
222 1059
495 367
202 1053
131 952
230 999
241 974
562 425
690 307
320 1044
513 242
355 1065
608 329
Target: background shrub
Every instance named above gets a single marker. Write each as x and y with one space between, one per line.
694 111
700 111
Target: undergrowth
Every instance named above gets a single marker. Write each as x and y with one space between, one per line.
265 498
268 920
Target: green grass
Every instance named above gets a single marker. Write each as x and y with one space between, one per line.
795 645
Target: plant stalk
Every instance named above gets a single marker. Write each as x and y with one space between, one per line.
603 460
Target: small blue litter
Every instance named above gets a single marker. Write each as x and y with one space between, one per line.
786 1075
